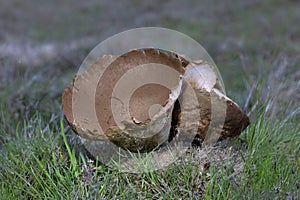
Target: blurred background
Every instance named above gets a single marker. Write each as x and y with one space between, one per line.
255 45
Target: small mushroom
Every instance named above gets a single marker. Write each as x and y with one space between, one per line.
142 117
220 117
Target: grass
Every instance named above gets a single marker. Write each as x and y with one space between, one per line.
253 43
40 164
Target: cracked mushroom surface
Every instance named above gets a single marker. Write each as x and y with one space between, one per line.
105 103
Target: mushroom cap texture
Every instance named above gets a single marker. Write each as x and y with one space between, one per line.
87 102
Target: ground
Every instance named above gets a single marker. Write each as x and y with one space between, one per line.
255 46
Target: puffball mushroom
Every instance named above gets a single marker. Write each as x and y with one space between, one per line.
96 109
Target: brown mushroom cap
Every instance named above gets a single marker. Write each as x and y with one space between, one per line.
140 130
78 98
145 123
